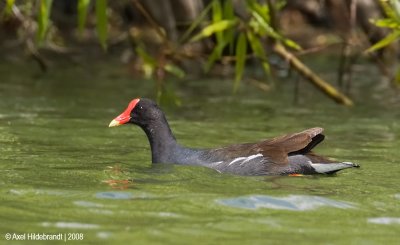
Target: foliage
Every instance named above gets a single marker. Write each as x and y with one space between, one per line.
44 18
392 22
253 29
239 36
101 23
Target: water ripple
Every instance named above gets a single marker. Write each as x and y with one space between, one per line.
114 195
71 225
384 220
291 202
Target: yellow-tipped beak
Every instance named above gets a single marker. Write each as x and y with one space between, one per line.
114 123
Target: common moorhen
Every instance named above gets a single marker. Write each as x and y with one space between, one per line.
283 155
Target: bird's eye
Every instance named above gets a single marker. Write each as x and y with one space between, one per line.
141 108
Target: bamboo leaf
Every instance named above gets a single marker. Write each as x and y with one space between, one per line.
256 45
213 28
8 8
217 17
387 23
101 22
291 44
229 35
266 27
259 51
215 55
83 6
43 18
390 9
261 9
145 56
241 51
228 11
174 70
196 23
149 63
396 8
385 41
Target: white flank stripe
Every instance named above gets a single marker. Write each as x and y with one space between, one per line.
245 159
237 159
252 157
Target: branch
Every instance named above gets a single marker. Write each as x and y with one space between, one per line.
302 69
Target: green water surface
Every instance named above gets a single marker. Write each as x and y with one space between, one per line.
62 170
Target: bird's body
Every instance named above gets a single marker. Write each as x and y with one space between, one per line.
283 155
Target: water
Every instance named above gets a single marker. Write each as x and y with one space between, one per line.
64 171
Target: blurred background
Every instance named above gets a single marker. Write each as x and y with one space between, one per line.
178 40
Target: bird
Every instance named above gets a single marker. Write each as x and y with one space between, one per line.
289 154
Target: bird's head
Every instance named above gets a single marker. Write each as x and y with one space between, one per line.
139 111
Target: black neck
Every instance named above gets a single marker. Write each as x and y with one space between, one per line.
162 142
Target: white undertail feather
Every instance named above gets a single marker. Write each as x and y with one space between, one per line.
331 167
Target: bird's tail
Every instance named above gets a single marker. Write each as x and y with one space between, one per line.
332 167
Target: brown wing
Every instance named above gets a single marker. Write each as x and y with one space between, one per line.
276 149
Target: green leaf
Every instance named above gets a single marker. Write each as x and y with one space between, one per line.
101 22
385 41
266 27
195 23
390 9
83 6
291 44
241 51
216 17
8 9
174 70
213 28
260 9
396 8
44 18
259 51
215 55
149 63
228 10
145 56
216 10
387 23
229 35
